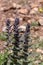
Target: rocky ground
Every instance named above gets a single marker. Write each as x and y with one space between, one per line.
26 10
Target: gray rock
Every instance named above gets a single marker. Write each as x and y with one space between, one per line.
22 28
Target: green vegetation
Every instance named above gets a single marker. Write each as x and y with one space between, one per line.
3 37
34 23
3 57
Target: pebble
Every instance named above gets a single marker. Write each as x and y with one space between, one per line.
22 28
41 21
34 11
4 29
23 11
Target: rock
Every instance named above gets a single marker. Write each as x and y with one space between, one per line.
22 28
1 8
12 19
16 5
5 5
23 11
37 62
34 11
20 18
41 38
41 21
4 29
29 21
30 50
39 51
33 5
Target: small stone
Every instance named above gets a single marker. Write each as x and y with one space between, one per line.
4 29
12 19
23 11
22 28
33 5
20 18
29 21
1 9
16 5
34 11
39 50
41 21
37 62
41 38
